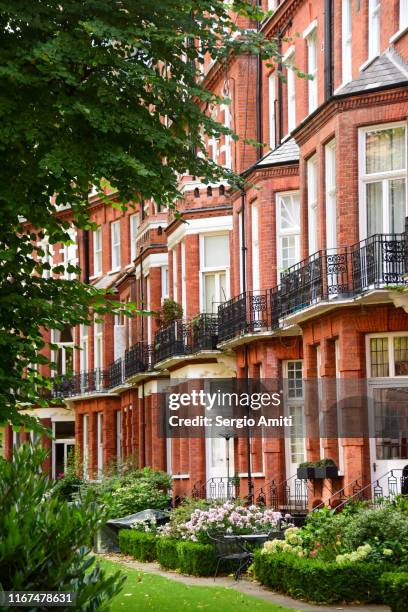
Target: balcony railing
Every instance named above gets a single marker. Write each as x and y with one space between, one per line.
172 341
83 383
180 338
138 358
374 263
115 373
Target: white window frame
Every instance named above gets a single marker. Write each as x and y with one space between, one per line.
331 196
134 221
183 279
175 275
256 271
118 437
310 36
70 254
216 270
281 233
272 118
64 346
85 446
312 204
403 15
98 336
381 176
374 28
293 402
164 271
288 61
115 246
391 355
97 251
99 441
149 319
346 41
241 271
226 147
84 346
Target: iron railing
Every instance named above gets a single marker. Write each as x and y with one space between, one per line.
138 358
385 488
83 383
181 338
374 263
115 373
220 488
291 495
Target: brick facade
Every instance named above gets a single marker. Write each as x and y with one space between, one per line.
169 254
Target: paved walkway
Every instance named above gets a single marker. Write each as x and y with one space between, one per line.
245 585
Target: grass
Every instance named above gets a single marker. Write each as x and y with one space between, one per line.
143 591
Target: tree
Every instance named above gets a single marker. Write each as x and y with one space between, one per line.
45 541
85 86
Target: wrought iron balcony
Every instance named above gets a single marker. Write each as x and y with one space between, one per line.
204 332
138 358
172 341
83 383
374 263
115 373
180 338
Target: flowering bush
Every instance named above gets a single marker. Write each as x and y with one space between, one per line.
228 518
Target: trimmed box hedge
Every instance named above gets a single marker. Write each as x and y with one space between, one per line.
394 588
138 544
196 559
319 581
166 550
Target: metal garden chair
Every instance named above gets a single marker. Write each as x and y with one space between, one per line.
230 549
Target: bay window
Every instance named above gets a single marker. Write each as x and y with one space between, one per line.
115 244
382 180
312 204
214 259
97 251
346 52
288 230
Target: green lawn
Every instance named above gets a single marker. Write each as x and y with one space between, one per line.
144 591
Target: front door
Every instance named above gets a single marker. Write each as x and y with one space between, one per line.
220 466
388 440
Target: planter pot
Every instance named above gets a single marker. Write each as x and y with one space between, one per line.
306 473
329 471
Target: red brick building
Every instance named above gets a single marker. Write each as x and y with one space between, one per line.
293 277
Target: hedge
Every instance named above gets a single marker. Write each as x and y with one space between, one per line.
394 587
138 544
166 551
319 581
196 559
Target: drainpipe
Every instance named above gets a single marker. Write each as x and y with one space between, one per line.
143 453
259 97
328 49
243 266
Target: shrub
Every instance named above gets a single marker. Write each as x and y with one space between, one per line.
133 491
44 541
67 486
318 581
394 588
166 552
170 311
228 517
196 559
138 544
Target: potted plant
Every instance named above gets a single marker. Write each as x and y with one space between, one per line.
306 470
170 311
326 468
318 470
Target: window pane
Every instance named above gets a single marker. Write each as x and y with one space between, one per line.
295 381
401 356
397 207
289 212
223 289
379 357
216 251
209 292
374 209
297 440
288 246
385 150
